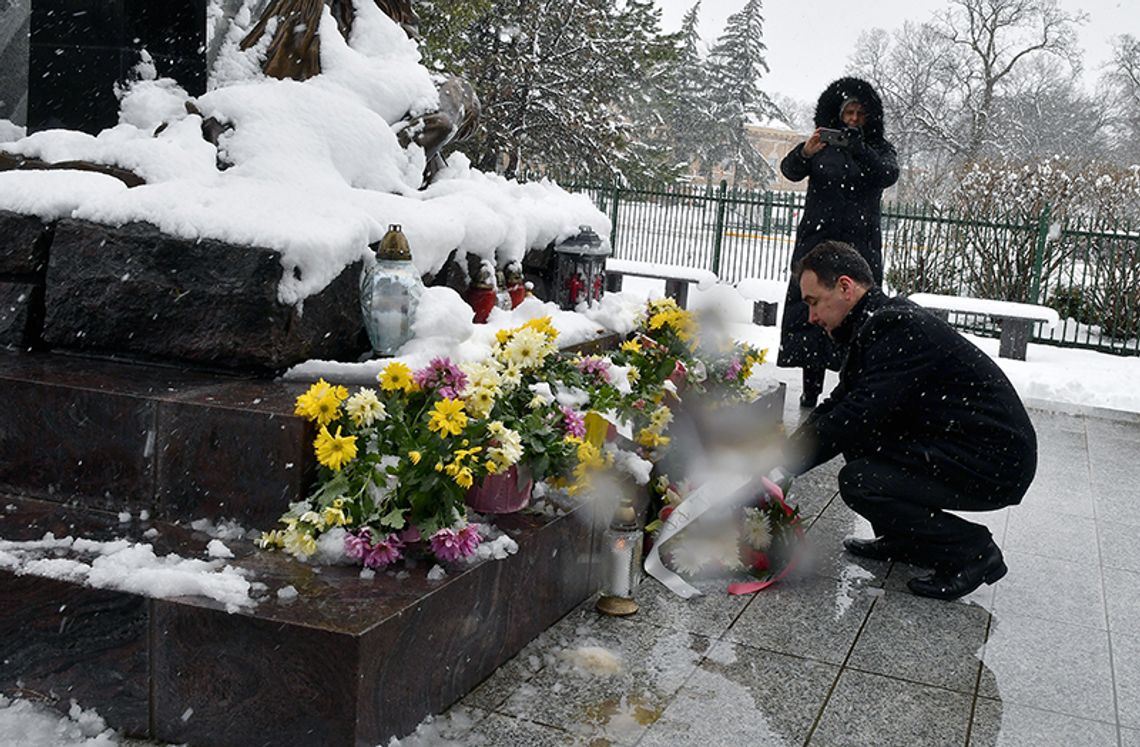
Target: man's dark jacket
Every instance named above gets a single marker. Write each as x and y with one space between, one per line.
845 186
914 392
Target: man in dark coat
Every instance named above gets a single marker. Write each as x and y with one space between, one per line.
925 420
845 185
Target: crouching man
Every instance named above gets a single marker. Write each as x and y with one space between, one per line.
926 422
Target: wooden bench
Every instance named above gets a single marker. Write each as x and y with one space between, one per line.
1016 319
676 277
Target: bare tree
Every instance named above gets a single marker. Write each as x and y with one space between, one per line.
1121 86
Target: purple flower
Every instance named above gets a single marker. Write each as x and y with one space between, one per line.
469 539
383 553
572 422
443 376
410 534
446 545
356 545
733 370
595 365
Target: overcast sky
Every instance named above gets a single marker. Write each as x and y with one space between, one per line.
809 41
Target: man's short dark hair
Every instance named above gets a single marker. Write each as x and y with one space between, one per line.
830 259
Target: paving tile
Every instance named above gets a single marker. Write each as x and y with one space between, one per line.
1052 589
813 491
923 640
498 730
452 728
509 677
825 554
1068 492
741 695
1045 664
1036 531
982 597
1119 545
606 678
812 616
1062 421
867 709
1122 597
709 614
1118 505
1127 430
1129 737
1126 671
998 724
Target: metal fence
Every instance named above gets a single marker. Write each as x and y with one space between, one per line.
1087 269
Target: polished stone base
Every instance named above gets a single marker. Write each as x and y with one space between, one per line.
124 437
349 661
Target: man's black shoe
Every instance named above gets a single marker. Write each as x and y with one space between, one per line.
987 568
808 401
880 548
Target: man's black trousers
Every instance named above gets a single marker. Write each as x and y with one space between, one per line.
906 504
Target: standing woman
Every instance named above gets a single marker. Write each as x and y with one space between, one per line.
846 179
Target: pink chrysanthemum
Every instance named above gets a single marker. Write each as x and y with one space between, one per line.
446 545
733 370
410 534
469 539
595 365
383 553
356 545
572 422
443 376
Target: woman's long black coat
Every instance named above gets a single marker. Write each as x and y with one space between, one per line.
845 186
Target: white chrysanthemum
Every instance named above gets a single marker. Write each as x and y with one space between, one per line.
482 374
661 418
365 408
512 374
691 557
527 349
479 401
509 449
757 529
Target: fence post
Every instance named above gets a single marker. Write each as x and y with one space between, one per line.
1039 254
718 237
615 195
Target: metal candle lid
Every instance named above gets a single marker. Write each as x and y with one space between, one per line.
394 245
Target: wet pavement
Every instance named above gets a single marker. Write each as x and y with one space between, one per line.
842 654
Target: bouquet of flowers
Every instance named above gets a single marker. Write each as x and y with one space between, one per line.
758 536
728 371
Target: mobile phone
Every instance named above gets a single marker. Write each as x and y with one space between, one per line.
834 137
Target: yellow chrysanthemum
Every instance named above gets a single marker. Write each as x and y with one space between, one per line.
396 376
321 402
414 457
335 517
543 325
631 346
271 539
651 439
334 451
464 478
447 418
299 544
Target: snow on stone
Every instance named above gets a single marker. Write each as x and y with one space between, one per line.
317 170
224 529
126 566
29 724
217 549
436 573
594 660
287 593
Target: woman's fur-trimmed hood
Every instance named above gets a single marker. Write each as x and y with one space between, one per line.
832 98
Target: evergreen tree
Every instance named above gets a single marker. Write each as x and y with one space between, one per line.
689 106
560 83
735 67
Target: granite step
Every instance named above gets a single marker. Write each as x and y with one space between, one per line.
348 661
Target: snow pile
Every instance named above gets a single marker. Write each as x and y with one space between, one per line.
126 566
31 725
314 168
594 660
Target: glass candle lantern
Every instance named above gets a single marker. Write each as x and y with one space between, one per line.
622 545
390 290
